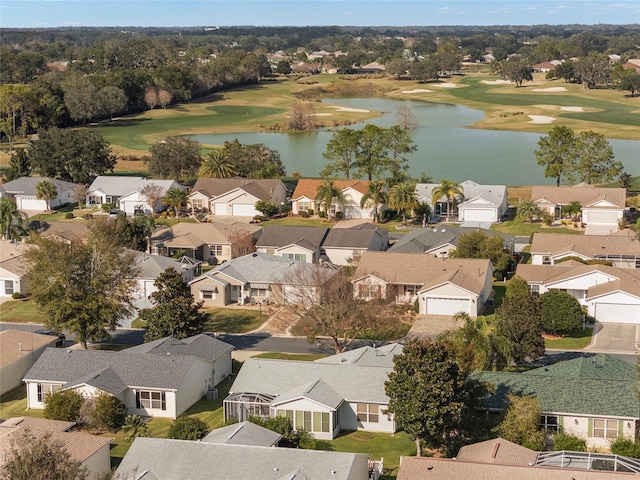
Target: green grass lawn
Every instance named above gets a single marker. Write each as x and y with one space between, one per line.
14 404
20 311
233 320
378 445
520 228
303 357
577 339
298 222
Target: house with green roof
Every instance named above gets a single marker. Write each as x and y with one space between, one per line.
593 397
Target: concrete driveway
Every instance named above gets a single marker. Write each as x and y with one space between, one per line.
615 338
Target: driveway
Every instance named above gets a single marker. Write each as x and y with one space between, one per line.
428 327
614 338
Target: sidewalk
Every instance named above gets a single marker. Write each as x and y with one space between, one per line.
279 322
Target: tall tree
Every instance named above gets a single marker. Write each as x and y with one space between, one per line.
595 160
341 153
19 166
176 198
480 245
174 310
328 194
80 97
426 393
13 222
374 197
111 100
47 191
301 117
449 189
402 197
557 152
373 152
521 422
528 210
255 160
217 165
153 193
17 111
406 118
173 157
398 144
70 155
516 69
86 286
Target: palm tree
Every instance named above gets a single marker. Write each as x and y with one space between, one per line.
528 209
402 196
47 191
449 189
326 194
176 198
13 222
217 165
135 426
374 196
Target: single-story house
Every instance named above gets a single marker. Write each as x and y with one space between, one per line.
92 451
344 246
209 242
441 239
480 205
170 459
23 192
442 286
543 67
259 278
621 251
325 397
611 295
236 196
12 268
243 433
592 397
124 193
602 208
297 243
373 67
64 231
158 379
633 64
18 352
304 198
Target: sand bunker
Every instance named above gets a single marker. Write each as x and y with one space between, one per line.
417 90
572 109
446 85
349 109
550 89
321 114
495 82
540 119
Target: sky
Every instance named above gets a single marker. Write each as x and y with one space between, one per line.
190 13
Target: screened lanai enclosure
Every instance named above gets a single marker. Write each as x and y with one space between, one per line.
241 406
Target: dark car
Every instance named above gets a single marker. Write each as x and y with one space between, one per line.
61 336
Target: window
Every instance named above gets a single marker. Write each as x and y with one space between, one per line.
45 389
603 428
196 203
301 257
366 290
320 422
535 289
368 412
8 287
146 399
208 295
215 250
303 206
550 423
303 420
546 260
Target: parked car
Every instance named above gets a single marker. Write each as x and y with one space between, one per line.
61 336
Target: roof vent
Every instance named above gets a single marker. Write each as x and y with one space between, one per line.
254 255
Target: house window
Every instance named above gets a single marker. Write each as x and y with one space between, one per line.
215 250
149 399
8 287
303 206
270 251
368 412
196 203
367 290
303 420
603 428
321 422
411 289
550 423
301 257
535 289
45 389
208 295
546 260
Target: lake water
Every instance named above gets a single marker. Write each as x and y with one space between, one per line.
445 148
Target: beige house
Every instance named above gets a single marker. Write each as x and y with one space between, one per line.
304 198
297 243
441 286
92 451
602 208
12 268
18 352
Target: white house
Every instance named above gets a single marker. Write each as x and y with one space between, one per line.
297 243
304 198
124 193
157 379
345 246
23 192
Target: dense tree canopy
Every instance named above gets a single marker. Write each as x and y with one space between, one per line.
521 422
557 152
254 160
561 312
173 157
480 245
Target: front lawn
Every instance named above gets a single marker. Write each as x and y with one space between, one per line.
233 320
14 404
520 228
576 339
20 311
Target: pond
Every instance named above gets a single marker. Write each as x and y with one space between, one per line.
446 149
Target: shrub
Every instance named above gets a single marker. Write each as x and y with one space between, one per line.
63 405
322 214
106 207
565 441
339 215
17 295
561 312
311 211
68 215
187 428
626 448
108 412
305 214
135 426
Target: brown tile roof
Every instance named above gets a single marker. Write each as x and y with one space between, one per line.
214 187
308 187
587 245
583 193
498 451
16 344
196 234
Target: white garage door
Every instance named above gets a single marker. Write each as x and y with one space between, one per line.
606 218
31 204
220 208
617 313
243 210
479 215
447 306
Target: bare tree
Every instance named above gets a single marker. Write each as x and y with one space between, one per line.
79 193
164 98
406 118
302 117
153 193
151 97
242 243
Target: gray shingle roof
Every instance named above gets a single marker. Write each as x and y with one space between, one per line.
366 356
359 236
471 190
27 185
283 235
315 390
243 433
425 239
201 346
182 459
106 380
151 266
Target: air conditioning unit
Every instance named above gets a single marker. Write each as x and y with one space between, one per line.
212 394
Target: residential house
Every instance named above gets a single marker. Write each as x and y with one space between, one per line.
550 249
440 240
169 459
260 278
18 351
611 295
64 231
91 451
23 192
592 397
543 67
479 206
244 433
297 243
124 193
341 393
344 246
441 286
602 208
632 63
236 196
373 67
213 242
157 379
304 198
12 268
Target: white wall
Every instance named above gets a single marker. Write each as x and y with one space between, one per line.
339 256
99 463
129 400
307 405
349 420
194 385
579 426
222 368
615 297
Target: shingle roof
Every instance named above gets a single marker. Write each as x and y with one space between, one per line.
588 245
282 235
75 230
27 185
125 185
196 234
243 433
214 187
498 451
16 265
583 193
597 385
426 239
106 380
10 249
366 356
315 390
308 187
359 236
471 190
201 346
151 266
179 459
